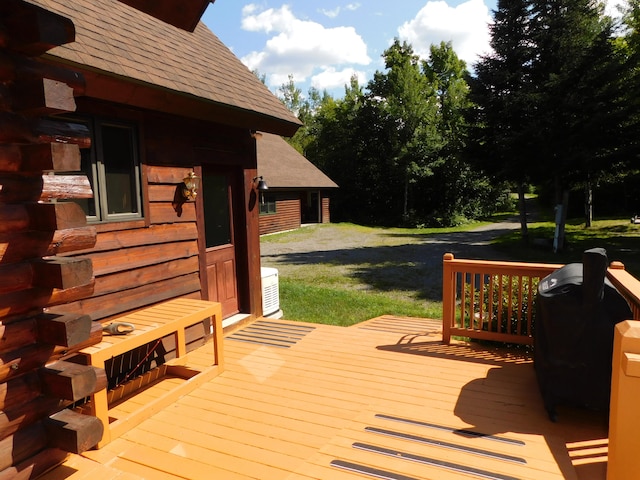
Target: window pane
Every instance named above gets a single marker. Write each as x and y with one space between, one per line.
267 203
217 222
119 164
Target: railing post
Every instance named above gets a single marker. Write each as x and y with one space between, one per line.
448 296
624 416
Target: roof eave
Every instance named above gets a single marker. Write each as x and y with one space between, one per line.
179 13
132 92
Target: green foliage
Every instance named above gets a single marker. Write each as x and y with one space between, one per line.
619 237
505 302
557 99
555 104
394 148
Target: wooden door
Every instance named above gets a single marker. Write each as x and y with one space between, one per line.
217 199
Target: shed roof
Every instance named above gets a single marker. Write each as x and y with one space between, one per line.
117 40
282 166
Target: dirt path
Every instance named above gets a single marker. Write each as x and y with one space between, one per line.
379 258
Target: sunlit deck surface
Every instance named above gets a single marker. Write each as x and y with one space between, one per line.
382 399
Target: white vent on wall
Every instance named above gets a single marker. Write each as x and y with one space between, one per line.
270 291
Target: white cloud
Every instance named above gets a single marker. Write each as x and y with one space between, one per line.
465 26
336 11
330 13
331 78
299 47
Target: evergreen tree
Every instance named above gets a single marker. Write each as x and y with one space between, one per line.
503 91
550 96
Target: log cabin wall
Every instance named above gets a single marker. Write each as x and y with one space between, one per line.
159 256
55 267
38 223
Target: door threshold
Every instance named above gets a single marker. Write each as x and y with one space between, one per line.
234 319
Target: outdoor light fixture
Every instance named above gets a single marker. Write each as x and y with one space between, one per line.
261 186
191 185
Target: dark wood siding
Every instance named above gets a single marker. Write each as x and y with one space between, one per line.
142 262
287 216
326 216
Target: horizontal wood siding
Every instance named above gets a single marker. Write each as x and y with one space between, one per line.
287 216
142 262
326 216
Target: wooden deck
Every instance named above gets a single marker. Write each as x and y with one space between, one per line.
382 399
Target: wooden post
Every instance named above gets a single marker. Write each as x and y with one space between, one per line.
448 297
624 416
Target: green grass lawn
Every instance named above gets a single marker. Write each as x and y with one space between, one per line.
341 290
374 275
310 303
619 237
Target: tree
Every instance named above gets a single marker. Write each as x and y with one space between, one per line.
454 183
550 96
406 106
336 145
503 91
304 108
394 147
579 112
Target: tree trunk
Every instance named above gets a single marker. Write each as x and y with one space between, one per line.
561 220
522 206
405 205
588 203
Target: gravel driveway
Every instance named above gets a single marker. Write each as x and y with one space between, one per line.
409 265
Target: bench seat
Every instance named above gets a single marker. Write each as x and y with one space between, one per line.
154 323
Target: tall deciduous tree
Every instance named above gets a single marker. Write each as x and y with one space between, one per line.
454 183
407 107
304 108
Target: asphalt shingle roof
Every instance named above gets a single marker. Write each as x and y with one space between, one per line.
119 40
283 166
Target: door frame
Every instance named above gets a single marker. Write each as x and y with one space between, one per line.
245 226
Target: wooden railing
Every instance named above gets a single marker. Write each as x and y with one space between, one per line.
624 422
495 301
627 285
490 300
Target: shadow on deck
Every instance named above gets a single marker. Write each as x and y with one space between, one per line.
578 442
381 399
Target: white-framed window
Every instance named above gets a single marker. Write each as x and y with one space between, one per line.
113 169
267 204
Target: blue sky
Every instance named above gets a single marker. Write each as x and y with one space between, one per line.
322 44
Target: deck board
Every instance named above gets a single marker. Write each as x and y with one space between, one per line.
279 413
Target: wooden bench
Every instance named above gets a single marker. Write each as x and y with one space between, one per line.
152 324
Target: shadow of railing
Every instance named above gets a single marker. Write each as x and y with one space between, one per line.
465 352
506 399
